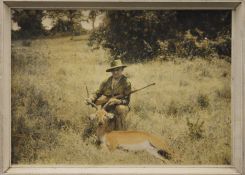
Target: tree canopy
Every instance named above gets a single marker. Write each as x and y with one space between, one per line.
142 34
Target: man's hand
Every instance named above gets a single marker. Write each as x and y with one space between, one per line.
88 101
114 101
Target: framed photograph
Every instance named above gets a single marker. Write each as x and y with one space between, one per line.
122 87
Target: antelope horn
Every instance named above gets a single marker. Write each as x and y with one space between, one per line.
104 107
93 105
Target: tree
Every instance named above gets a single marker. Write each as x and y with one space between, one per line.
67 21
133 35
211 23
92 16
137 35
29 21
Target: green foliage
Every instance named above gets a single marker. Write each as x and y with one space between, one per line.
29 21
224 92
211 23
137 35
25 61
26 43
175 108
195 129
140 110
203 100
189 45
133 35
223 46
62 26
172 109
89 130
30 127
34 124
66 21
92 16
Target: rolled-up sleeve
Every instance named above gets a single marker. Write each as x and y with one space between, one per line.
127 91
99 91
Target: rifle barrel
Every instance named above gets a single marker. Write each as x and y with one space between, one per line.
152 84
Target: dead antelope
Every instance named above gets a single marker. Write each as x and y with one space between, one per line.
129 140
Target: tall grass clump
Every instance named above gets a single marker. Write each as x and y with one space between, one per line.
195 129
224 92
33 125
180 108
203 101
172 108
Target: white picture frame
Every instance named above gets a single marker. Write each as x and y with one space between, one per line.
237 166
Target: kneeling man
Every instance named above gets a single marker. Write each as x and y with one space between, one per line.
117 89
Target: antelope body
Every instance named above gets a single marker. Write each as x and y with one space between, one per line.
130 140
136 141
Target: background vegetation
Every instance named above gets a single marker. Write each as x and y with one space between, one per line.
138 35
189 106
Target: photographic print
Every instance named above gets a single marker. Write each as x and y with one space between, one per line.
121 87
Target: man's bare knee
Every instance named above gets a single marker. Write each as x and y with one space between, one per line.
122 109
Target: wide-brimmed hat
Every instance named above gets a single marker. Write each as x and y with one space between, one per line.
115 64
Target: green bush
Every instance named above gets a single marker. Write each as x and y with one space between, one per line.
177 109
188 45
172 108
202 101
195 129
224 92
26 43
23 18
142 35
223 47
34 126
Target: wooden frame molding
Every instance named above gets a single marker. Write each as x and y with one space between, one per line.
129 4
238 86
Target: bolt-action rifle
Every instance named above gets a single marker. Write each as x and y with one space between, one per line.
104 99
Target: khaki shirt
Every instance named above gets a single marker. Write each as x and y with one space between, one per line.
123 88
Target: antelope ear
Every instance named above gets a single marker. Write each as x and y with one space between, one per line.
92 116
110 115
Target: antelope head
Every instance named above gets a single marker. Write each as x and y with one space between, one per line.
101 117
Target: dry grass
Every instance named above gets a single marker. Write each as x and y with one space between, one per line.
185 89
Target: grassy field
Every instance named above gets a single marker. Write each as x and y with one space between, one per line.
189 106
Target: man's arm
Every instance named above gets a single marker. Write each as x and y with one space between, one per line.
126 96
97 93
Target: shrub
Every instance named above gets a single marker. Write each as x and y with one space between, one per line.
203 100
34 127
187 108
175 108
142 35
223 46
25 60
89 130
195 129
23 17
224 92
26 43
172 108
140 110
188 45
